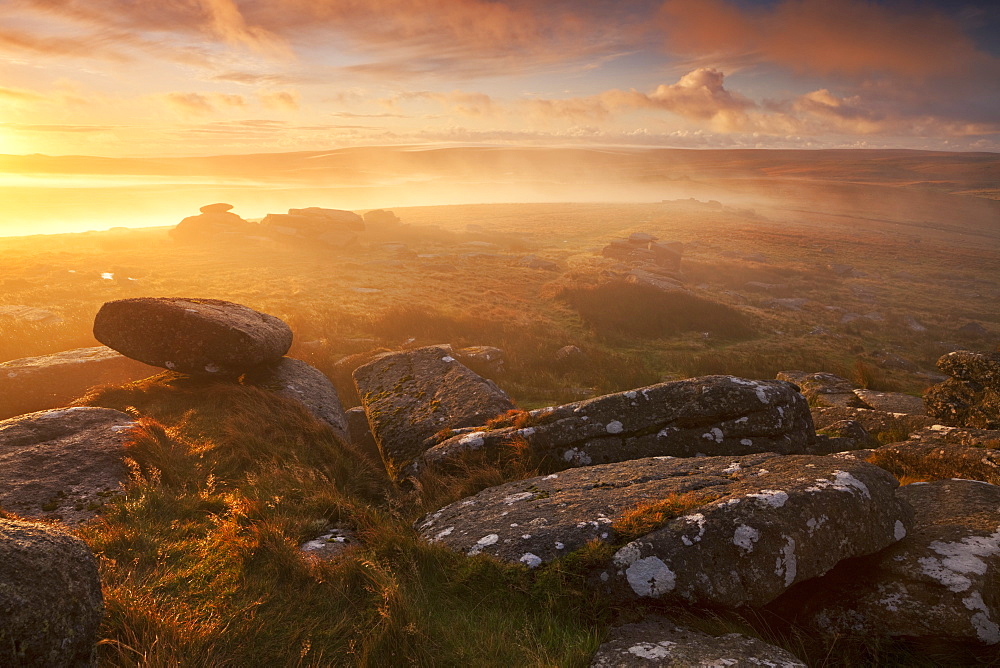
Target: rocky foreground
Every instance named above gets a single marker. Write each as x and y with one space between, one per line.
712 492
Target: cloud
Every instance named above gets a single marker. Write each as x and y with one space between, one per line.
285 100
201 104
461 102
847 37
20 95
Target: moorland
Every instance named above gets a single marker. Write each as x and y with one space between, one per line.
867 266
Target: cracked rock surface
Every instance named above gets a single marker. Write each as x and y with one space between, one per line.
941 581
767 522
711 415
656 641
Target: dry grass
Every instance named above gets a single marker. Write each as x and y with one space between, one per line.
649 516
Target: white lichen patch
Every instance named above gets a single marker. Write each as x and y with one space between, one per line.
526 432
772 497
170 365
746 442
651 652
715 434
732 468
650 577
614 427
577 457
786 563
631 394
530 560
447 358
960 559
473 441
212 368
514 498
666 432
699 520
814 523
627 555
899 531
485 541
986 629
442 533
745 536
560 546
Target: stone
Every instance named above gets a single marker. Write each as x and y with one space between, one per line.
879 424
30 314
535 262
656 641
485 359
964 403
62 464
823 389
667 254
294 379
32 384
569 354
381 217
329 545
409 396
641 238
331 217
982 368
851 430
659 282
942 580
891 402
195 336
213 226
760 523
50 597
216 208
711 415
966 453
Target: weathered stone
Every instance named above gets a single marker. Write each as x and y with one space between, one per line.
535 262
381 217
850 430
486 359
891 402
964 403
966 453
569 354
294 379
879 424
657 281
50 381
658 642
331 217
941 581
212 226
50 597
667 254
411 395
196 336
329 545
713 415
216 208
767 522
62 464
982 368
823 389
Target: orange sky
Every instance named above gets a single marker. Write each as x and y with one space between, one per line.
199 77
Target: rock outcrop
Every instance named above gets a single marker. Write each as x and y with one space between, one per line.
411 395
62 464
194 336
657 642
294 379
891 402
50 381
380 217
755 525
967 453
215 223
50 597
941 581
332 227
711 415
971 397
879 424
823 389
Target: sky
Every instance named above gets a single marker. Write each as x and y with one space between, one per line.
205 77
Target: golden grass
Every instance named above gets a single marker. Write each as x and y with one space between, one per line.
651 515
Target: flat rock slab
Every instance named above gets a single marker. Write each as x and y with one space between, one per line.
657 642
195 336
711 415
896 426
30 314
62 464
295 379
409 396
49 381
50 597
768 522
941 581
891 402
823 389
968 453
